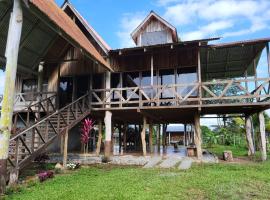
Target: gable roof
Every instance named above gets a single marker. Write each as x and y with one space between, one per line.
67 26
104 46
152 15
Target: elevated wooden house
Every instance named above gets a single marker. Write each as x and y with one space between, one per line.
66 72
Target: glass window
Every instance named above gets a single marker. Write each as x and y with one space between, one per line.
184 76
166 77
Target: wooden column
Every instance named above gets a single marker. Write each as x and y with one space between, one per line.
268 57
164 137
151 137
197 137
12 50
99 137
108 119
74 88
199 76
143 136
251 149
120 137
125 138
262 136
185 135
158 138
65 153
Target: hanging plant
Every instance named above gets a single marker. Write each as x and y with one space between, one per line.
87 126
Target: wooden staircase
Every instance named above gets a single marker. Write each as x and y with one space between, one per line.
32 137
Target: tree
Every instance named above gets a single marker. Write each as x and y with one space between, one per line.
209 136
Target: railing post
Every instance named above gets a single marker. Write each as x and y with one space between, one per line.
199 77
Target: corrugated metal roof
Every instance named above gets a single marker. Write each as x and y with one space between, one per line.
59 17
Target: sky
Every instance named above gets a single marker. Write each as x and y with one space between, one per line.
232 20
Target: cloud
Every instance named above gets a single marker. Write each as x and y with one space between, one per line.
210 29
254 14
128 23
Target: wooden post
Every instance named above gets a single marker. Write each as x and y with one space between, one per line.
151 137
263 138
158 138
197 137
164 127
185 135
108 120
65 149
12 51
99 137
125 137
268 57
251 150
120 137
199 76
143 136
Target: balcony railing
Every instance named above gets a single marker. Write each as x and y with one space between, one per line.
216 93
23 100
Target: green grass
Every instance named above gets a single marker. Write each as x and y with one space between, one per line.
218 181
236 150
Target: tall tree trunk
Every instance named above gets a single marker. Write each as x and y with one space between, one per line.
12 50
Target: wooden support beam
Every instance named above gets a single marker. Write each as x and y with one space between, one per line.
158 138
197 137
108 120
199 74
143 136
164 128
151 137
12 51
99 137
262 136
251 149
65 153
125 137
268 58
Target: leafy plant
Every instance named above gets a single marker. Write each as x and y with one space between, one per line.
87 126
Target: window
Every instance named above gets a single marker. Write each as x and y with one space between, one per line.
186 76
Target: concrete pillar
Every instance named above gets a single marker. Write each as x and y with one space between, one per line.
197 136
251 149
262 136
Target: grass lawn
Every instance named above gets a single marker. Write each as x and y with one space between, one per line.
217 181
236 150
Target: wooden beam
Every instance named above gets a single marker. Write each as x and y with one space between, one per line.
108 120
99 137
262 136
12 51
151 137
65 153
248 123
268 58
197 137
143 136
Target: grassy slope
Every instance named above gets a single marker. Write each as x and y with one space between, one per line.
220 181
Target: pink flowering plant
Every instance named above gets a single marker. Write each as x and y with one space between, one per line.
87 126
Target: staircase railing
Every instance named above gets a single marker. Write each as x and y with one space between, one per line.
26 144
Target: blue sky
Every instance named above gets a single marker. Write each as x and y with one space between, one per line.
233 20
